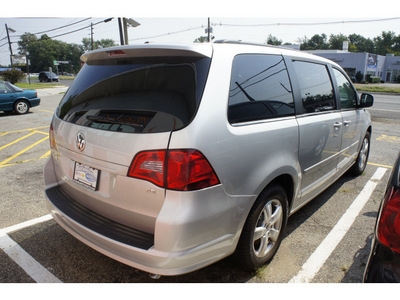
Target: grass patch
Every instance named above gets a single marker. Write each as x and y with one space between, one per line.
36 86
377 88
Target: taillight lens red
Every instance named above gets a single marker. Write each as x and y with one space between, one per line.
149 165
389 223
189 170
183 170
51 137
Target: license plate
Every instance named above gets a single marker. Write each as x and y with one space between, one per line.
86 175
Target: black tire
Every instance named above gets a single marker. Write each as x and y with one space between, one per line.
362 158
264 228
21 107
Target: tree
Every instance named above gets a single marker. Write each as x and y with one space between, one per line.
201 39
272 40
44 51
25 40
103 43
336 41
385 43
359 43
317 42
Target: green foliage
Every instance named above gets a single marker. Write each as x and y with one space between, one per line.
387 42
103 43
375 79
336 41
43 51
359 76
201 39
317 42
13 75
272 40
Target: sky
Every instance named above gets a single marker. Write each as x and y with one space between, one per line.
162 21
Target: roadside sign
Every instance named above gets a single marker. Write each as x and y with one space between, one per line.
19 60
59 62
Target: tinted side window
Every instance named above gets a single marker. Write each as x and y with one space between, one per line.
316 87
259 89
348 98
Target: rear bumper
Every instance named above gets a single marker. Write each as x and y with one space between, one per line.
34 102
190 233
383 265
150 260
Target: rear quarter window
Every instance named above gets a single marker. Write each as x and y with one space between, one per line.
315 87
135 96
259 89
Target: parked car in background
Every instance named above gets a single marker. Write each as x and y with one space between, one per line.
170 158
384 261
47 76
13 98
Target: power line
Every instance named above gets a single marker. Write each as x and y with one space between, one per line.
271 24
49 30
165 34
307 23
63 26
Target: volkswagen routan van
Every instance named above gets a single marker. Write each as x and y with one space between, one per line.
170 158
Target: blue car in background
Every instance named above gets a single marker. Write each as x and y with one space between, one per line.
13 98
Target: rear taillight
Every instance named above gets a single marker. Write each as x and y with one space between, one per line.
388 231
51 137
149 165
183 170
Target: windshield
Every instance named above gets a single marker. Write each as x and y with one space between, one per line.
145 95
52 74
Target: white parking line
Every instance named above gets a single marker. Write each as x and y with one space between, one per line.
324 250
35 270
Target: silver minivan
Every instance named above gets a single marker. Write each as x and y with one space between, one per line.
170 158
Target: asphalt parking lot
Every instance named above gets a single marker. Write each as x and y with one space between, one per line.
327 241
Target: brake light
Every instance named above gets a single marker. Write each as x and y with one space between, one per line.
116 53
388 232
51 138
183 170
149 165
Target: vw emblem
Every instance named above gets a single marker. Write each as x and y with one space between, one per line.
80 141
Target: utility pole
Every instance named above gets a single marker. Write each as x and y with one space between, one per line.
123 29
121 33
208 30
91 35
9 43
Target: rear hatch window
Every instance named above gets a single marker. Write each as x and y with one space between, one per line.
136 95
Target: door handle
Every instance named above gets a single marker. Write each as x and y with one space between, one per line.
337 125
347 122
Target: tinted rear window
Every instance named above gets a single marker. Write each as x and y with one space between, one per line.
141 95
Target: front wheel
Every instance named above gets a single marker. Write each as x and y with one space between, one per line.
362 158
263 230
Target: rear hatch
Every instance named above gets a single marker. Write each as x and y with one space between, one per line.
124 101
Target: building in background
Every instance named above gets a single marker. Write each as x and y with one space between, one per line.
387 68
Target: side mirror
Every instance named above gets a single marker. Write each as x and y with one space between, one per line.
366 100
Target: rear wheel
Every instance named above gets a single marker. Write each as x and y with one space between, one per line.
263 230
21 107
362 158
